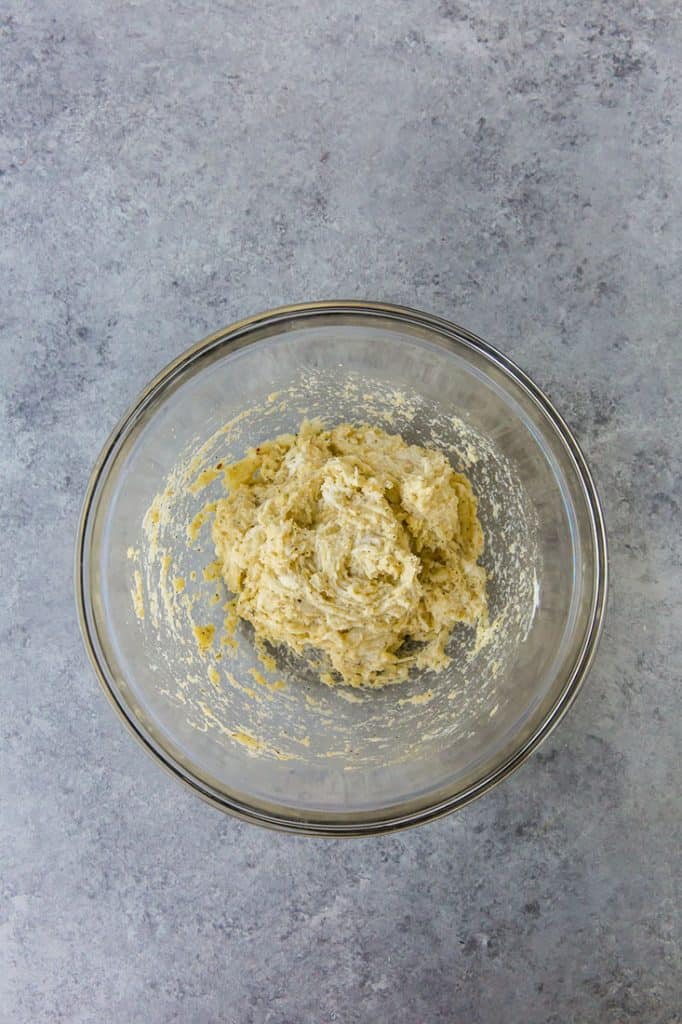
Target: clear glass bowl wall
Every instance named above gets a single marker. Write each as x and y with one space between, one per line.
326 760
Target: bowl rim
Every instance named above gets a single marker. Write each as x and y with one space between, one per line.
236 336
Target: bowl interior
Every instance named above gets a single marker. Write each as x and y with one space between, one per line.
266 735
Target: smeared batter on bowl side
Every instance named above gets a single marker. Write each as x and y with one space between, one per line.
355 544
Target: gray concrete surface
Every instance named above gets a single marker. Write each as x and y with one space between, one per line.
166 168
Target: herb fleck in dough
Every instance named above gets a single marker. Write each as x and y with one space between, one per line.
355 544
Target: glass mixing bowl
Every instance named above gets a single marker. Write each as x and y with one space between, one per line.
257 733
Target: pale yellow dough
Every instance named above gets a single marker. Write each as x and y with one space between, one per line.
352 543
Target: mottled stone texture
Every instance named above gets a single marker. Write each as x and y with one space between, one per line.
168 167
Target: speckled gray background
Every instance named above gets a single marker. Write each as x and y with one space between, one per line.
168 167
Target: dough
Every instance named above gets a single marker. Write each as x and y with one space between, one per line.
353 543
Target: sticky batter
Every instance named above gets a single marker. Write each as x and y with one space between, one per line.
354 544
